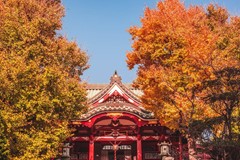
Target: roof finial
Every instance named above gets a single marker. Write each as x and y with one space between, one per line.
115 77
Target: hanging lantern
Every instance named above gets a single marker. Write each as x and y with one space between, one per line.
164 148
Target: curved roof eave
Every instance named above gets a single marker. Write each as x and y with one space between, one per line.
104 112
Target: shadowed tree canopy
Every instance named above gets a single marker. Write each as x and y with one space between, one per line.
40 88
177 50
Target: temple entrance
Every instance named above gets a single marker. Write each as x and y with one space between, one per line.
107 151
120 155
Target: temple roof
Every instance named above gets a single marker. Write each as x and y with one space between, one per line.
94 89
97 90
120 107
115 97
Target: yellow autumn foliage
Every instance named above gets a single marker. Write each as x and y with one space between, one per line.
40 85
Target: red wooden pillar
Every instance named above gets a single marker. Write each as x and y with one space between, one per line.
139 147
180 148
91 148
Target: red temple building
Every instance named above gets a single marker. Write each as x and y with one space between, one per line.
117 127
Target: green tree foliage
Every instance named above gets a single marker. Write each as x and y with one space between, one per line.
177 51
39 79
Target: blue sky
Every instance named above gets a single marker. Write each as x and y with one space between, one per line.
100 28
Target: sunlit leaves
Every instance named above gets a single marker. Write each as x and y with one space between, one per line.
39 79
178 49
170 49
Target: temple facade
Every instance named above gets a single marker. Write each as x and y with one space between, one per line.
117 127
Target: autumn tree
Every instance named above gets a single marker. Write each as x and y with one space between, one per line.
176 50
40 89
223 95
222 91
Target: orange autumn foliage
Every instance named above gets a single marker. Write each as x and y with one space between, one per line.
178 49
175 50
